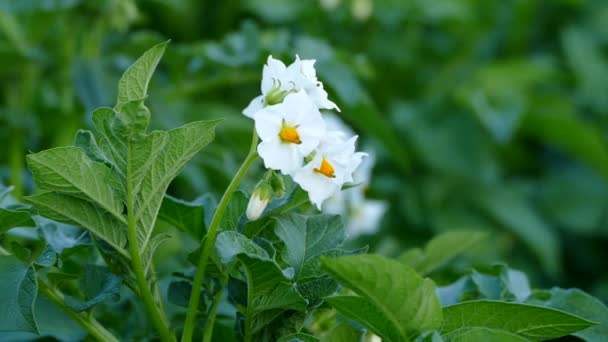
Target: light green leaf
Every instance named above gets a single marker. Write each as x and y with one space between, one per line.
14 218
342 333
484 334
189 217
69 171
299 337
98 284
577 302
77 211
368 314
18 291
86 141
440 250
408 301
306 237
532 322
133 85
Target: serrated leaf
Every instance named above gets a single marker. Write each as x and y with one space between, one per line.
408 301
14 218
79 212
532 322
189 217
306 237
18 290
577 302
133 85
440 250
98 284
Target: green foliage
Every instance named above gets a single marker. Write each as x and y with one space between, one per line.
532 322
440 250
18 292
395 302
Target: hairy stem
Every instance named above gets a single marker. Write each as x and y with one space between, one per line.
145 294
209 240
86 321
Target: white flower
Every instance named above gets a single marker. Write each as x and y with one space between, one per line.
332 166
279 80
290 131
365 218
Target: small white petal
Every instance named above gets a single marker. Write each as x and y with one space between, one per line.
278 155
268 123
254 106
272 73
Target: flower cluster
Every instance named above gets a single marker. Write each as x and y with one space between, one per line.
361 215
295 139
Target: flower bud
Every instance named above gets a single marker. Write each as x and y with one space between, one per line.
259 200
278 184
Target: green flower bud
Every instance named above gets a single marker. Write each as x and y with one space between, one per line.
259 200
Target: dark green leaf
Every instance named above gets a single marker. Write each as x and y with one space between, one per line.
18 291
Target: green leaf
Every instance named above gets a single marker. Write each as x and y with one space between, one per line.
18 291
86 141
484 334
98 284
79 212
14 218
133 85
440 250
179 294
189 217
299 337
306 237
269 289
370 315
235 211
532 322
69 171
342 333
509 207
407 301
579 303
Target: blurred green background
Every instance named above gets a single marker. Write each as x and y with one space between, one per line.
488 115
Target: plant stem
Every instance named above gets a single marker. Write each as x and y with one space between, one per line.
86 321
216 303
209 240
145 294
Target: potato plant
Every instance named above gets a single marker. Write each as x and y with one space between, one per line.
265 264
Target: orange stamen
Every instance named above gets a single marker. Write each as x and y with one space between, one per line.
290 135
326 169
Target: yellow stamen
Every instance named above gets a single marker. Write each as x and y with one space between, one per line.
326 169
290 135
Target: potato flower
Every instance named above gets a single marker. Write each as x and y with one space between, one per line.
289 131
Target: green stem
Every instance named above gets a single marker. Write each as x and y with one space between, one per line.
86 321
216 303
145 294
209 240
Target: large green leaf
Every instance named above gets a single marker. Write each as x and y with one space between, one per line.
18 290
577 302
536 323
306 237
14 218
407 301
440 250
